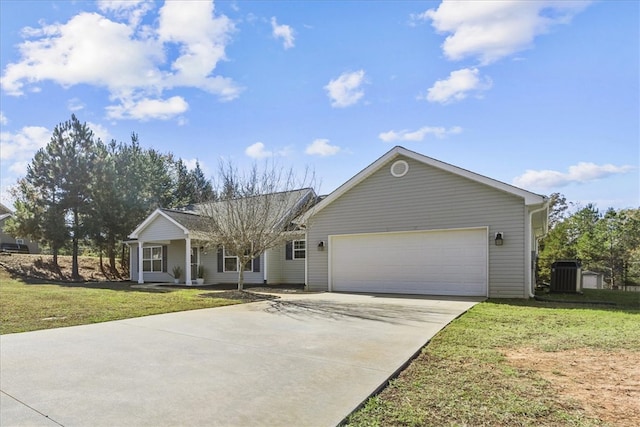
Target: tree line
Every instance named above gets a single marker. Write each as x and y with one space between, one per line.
606 242
79 190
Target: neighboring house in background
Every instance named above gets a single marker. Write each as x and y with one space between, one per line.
592 280
169 238
406 224
414 225
7 240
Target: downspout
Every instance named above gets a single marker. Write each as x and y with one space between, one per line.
140 271
531 239
306 260
265 276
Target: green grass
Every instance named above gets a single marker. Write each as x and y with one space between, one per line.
599 296
42 305
462 377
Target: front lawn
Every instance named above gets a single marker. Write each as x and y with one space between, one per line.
522 363
40 304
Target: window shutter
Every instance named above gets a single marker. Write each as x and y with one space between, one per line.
220 259
256 264
289 250
164 259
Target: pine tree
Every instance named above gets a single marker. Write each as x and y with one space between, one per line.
202 187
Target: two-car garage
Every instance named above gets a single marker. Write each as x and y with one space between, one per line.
411 224
440 262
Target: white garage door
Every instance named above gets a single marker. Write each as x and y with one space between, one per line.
421 262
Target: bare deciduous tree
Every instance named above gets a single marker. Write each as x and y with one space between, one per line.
255 211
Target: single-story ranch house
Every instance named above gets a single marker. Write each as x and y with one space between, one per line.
406 224
169 238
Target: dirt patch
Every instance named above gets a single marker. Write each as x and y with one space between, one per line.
34 266
606 384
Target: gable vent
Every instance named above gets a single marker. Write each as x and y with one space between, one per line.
399 168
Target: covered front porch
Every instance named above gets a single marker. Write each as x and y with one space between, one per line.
179 261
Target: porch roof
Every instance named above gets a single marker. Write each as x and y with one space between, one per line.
193 223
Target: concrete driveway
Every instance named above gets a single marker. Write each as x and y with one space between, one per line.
304 360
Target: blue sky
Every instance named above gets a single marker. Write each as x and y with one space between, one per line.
540 94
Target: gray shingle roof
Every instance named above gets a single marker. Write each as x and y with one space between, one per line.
193 220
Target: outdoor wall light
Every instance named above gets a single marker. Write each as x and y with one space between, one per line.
499 238
321 245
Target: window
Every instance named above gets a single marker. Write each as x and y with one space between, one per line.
295 249
299 249
20 241
152 259
231 261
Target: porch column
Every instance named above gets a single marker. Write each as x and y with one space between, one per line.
187 261
140 274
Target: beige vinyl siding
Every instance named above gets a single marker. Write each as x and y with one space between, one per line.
209 260
175 256
232 277
161 229
161 276
426 198
294 271
275 261
281 270
133 262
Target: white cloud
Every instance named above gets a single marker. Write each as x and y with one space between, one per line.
284 32
191 165
346 89
5 195
493 29
136 67
417 18
420 134
321 147
16 151
580 173
258 151
457 86
146 109
75 104
19 168
68 53
23 144
3 119
131 10
202 38
99 131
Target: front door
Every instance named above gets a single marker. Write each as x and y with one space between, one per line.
195 258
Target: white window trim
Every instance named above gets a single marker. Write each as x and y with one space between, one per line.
224 263
294 250
151 259
19 241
